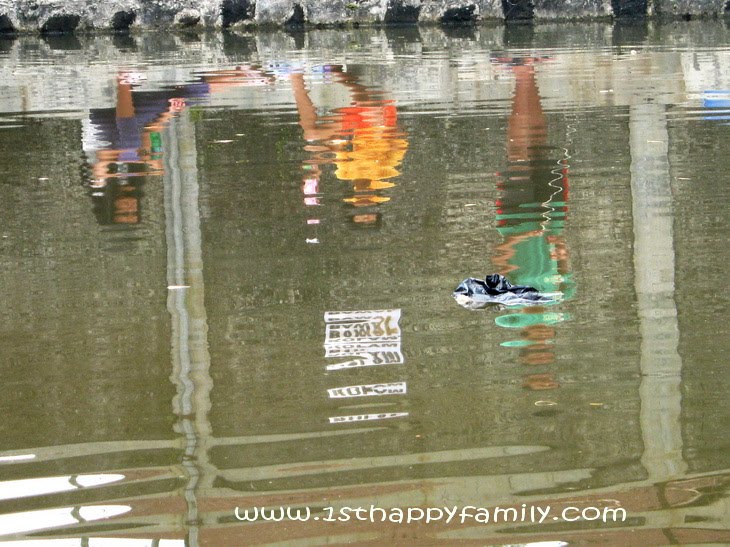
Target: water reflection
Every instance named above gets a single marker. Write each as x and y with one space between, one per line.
531 211
362 140
47 485
97 542
16 458
370 338
189 353
30 521
125 144
654 260
640 421
717 105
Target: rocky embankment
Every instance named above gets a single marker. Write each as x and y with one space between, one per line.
50 16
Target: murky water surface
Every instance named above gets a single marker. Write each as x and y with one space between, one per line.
226 266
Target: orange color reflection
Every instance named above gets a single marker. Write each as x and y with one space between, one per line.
362 140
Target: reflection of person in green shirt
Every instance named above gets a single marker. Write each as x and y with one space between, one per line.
531 214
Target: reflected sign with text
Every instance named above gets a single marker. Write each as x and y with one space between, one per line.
367 338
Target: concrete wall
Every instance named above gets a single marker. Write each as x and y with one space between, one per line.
50 16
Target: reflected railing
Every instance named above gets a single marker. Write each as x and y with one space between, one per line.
44 519
21 488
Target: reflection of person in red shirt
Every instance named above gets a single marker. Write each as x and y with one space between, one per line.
124 143
362 140
531 214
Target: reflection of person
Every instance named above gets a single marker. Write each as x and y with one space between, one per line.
362 140
125 143
531 213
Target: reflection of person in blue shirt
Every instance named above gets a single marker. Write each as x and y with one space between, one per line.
125 143
531 213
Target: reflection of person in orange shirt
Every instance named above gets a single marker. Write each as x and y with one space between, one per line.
531 213
362 140
125 143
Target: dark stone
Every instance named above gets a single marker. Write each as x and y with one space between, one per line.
122 20
61 23
123 41
398 13
402 37
233 11
727 7
62 42
629 32
462 15
236 45
191 36
6 25
297 17
629 8
188 20
298 34
518 10
519 34
459 32
6 41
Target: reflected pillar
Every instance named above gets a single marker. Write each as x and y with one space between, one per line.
189 345
661 365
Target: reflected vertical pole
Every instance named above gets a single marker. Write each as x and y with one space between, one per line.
189 347
661 365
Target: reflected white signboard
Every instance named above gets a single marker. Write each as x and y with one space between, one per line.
367 417
368 338
394 388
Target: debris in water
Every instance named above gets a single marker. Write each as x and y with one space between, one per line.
475 294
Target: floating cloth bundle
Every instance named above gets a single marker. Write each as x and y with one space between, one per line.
476 294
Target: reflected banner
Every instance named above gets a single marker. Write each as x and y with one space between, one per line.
369 338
